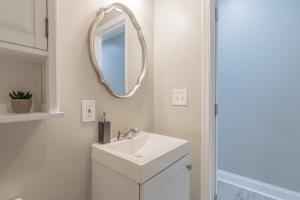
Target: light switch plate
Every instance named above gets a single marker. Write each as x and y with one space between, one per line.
88 110
180 97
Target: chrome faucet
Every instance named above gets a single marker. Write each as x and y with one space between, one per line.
131 133
128 134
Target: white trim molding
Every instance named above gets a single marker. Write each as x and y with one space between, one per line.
264 189
208 135
52 65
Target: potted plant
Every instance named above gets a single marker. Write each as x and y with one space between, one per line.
21 102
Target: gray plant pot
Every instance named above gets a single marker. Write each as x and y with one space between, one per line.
21 105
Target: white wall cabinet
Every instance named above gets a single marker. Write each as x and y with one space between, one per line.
24 23
28 54
173 183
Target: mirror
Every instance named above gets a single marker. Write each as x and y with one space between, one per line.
118 50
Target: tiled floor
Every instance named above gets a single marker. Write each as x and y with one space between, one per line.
227 191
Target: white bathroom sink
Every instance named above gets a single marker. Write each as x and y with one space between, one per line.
141 157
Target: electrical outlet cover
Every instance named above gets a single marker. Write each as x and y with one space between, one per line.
88 110
180 97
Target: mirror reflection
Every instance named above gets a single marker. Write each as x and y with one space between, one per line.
118 51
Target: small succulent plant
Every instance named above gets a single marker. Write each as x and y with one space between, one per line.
20 95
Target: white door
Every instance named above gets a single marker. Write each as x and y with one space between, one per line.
171 184
22 22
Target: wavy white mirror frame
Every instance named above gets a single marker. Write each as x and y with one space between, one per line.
102 12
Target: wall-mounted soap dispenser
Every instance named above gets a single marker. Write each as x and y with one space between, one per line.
104 130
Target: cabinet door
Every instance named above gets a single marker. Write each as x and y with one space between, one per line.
171 184
22 22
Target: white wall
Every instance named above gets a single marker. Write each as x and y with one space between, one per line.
50 160
177 65
258 90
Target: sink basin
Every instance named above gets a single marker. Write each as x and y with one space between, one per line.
141 157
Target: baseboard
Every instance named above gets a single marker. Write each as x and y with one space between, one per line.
265 189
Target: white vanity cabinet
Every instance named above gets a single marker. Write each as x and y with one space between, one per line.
24 23
173 183
146 167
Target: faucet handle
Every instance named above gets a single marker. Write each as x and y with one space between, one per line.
122 134
119 135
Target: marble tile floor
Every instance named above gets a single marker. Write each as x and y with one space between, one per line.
227 191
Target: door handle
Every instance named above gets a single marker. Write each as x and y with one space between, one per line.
189 167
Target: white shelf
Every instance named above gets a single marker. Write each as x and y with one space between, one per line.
22 53
11 117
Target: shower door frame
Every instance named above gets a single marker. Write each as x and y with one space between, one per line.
208 101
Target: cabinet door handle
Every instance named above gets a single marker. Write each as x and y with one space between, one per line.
189 167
